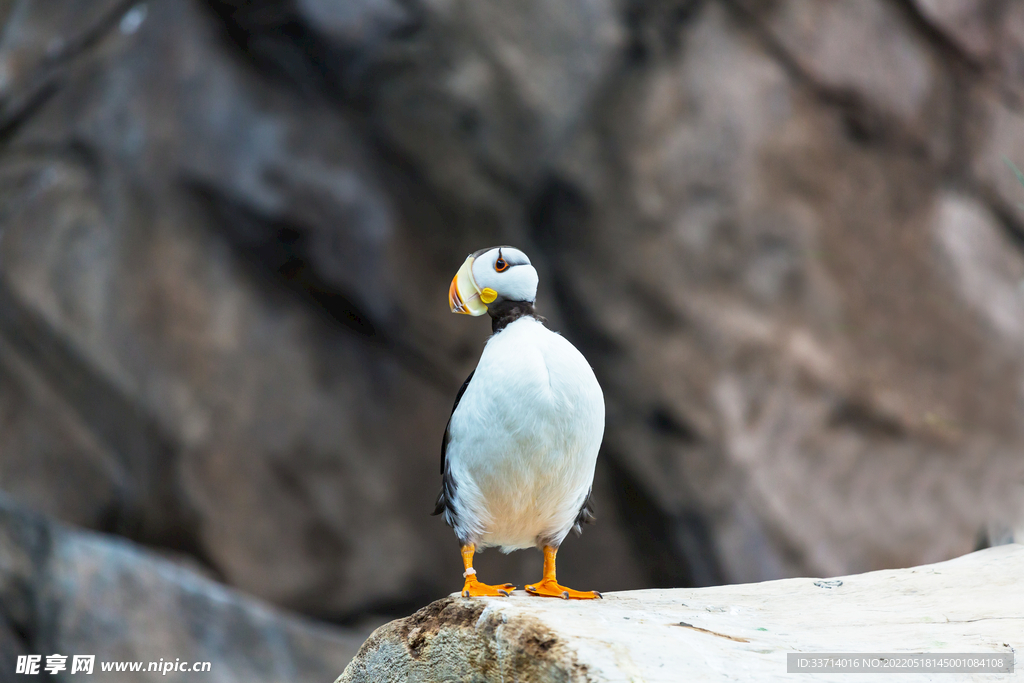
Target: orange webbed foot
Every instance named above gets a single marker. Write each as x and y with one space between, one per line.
549 588
475 589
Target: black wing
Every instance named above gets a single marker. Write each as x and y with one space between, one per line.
586 514
443 504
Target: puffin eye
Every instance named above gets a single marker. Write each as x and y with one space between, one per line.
501 265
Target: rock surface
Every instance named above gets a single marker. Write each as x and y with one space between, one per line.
71 592
207 293
741 632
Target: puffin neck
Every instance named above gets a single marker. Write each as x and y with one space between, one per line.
507 312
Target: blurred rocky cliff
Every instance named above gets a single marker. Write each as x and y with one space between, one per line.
782 231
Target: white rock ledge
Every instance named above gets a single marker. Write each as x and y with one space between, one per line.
974 603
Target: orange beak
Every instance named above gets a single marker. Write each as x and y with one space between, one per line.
463 294
454 300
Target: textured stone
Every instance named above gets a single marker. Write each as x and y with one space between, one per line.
490 91
222 298
989 271
73 592
893 69
1011 48
776 319
969 604
998 130
42 435
968 23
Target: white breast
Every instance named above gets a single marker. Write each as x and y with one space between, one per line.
524 439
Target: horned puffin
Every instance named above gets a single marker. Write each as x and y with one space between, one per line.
520 447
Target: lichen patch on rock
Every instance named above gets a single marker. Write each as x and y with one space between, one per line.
466 639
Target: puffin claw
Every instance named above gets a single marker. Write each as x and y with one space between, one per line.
599 596
565 595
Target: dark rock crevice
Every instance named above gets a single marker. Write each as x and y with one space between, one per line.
151 508
939 40
1008 219
280 40
280 248
24 106
39 75
278 43
653 28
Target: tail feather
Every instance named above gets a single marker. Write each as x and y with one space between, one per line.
585 515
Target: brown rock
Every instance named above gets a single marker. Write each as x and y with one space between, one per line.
43 435
1011 48
866 56
237 302
783 315
968 23
488 92
998 128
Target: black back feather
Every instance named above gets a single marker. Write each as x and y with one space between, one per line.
447 494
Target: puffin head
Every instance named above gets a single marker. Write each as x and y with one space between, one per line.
490 277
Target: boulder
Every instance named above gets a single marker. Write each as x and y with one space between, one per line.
66 591
968 605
